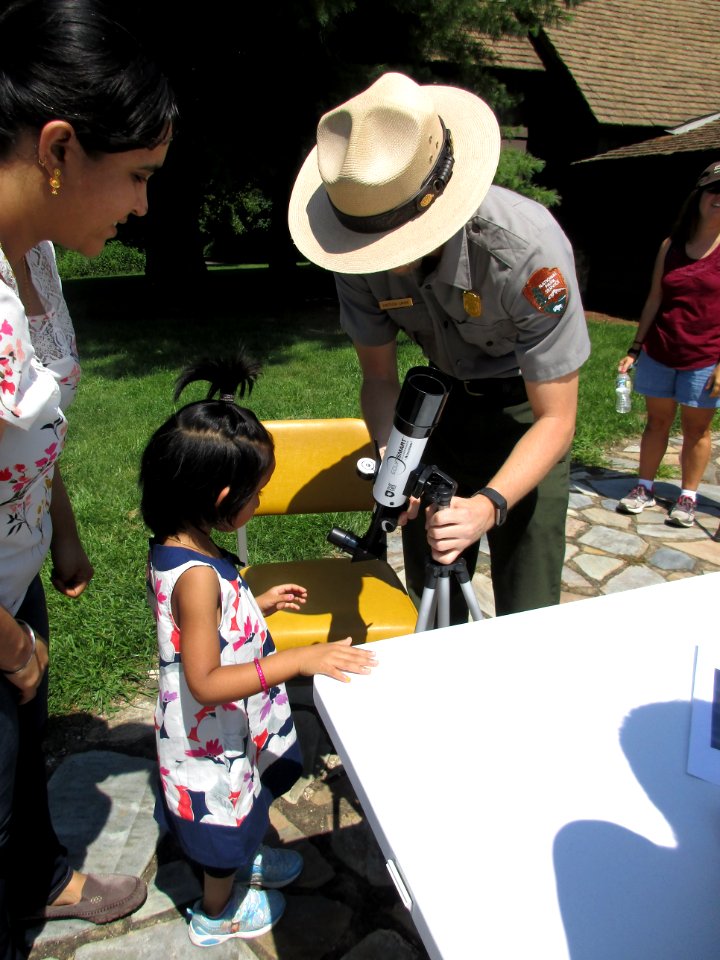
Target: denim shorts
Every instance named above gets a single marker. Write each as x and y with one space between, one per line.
686 387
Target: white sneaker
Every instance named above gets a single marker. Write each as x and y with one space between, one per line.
683 513
636 501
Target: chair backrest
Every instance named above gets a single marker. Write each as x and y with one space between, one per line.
317 473
316 469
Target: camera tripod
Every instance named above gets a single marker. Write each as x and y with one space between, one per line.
434 610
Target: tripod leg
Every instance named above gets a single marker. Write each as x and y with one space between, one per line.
426 613
471 599
463 578
435 600
444 600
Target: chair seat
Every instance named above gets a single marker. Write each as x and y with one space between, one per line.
364 600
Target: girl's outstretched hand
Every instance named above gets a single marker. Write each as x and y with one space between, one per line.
333 659
285 596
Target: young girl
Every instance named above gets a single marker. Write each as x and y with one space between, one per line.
226 741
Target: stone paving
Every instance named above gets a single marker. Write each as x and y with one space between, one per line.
344 906
607 551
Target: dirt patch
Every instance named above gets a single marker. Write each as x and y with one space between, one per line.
128 730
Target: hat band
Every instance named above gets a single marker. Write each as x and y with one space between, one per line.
433 187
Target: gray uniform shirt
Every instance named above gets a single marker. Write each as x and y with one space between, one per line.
503 300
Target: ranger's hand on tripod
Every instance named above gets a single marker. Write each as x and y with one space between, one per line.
453 528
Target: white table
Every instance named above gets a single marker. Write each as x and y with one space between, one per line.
526 779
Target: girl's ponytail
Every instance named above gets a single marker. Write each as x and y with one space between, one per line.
226 376
206 446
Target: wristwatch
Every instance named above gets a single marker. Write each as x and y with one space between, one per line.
498 501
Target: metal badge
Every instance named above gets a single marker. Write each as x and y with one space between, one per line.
472 303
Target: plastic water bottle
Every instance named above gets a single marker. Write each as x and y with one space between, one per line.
623 391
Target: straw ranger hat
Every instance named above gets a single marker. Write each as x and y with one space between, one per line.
397 170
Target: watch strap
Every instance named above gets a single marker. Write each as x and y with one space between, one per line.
498 501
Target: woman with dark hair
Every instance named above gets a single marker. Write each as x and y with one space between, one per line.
85 119
677 349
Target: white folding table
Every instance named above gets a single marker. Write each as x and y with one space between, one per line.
526 779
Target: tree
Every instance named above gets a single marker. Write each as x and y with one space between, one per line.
253 79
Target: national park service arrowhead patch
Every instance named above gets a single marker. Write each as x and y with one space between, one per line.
547 291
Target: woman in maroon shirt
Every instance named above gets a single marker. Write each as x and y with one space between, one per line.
677 349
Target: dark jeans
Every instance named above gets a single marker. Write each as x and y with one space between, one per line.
33 863
473 438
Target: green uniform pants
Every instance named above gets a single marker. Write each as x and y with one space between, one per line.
473 438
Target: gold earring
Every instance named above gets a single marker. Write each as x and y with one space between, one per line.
55 182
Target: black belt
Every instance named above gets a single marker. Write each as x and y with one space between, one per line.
495 391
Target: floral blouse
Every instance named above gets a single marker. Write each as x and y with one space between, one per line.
39 374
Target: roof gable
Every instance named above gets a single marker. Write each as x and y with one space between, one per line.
643 62
695 140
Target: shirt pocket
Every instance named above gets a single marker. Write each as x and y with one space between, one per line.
416 322
495 337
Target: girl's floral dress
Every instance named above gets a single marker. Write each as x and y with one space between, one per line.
39 374
220 766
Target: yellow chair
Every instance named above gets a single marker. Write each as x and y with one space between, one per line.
316 473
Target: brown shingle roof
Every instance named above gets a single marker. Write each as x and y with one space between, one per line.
516 53
643 62
706 137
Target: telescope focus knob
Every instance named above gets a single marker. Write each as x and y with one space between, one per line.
366 468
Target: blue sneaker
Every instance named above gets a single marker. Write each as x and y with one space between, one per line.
271 868
249 913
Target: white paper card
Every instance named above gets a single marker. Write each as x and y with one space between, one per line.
704 747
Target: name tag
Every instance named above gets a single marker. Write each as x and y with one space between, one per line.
395 304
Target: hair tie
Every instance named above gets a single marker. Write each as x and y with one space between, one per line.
228 397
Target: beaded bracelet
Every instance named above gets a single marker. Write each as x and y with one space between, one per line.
31 633
261 676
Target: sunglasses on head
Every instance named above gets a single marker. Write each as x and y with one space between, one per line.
712 187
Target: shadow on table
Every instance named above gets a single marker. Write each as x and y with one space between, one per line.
624 896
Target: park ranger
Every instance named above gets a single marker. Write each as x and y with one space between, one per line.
397 200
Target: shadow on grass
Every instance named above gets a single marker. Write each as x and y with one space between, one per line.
133 327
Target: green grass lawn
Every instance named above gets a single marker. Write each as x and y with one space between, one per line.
132 348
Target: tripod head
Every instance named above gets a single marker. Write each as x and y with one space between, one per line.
433 486
417 411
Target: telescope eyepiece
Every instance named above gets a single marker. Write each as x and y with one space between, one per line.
344 539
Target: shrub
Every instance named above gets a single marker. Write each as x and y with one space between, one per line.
233 221
114 260
516 170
